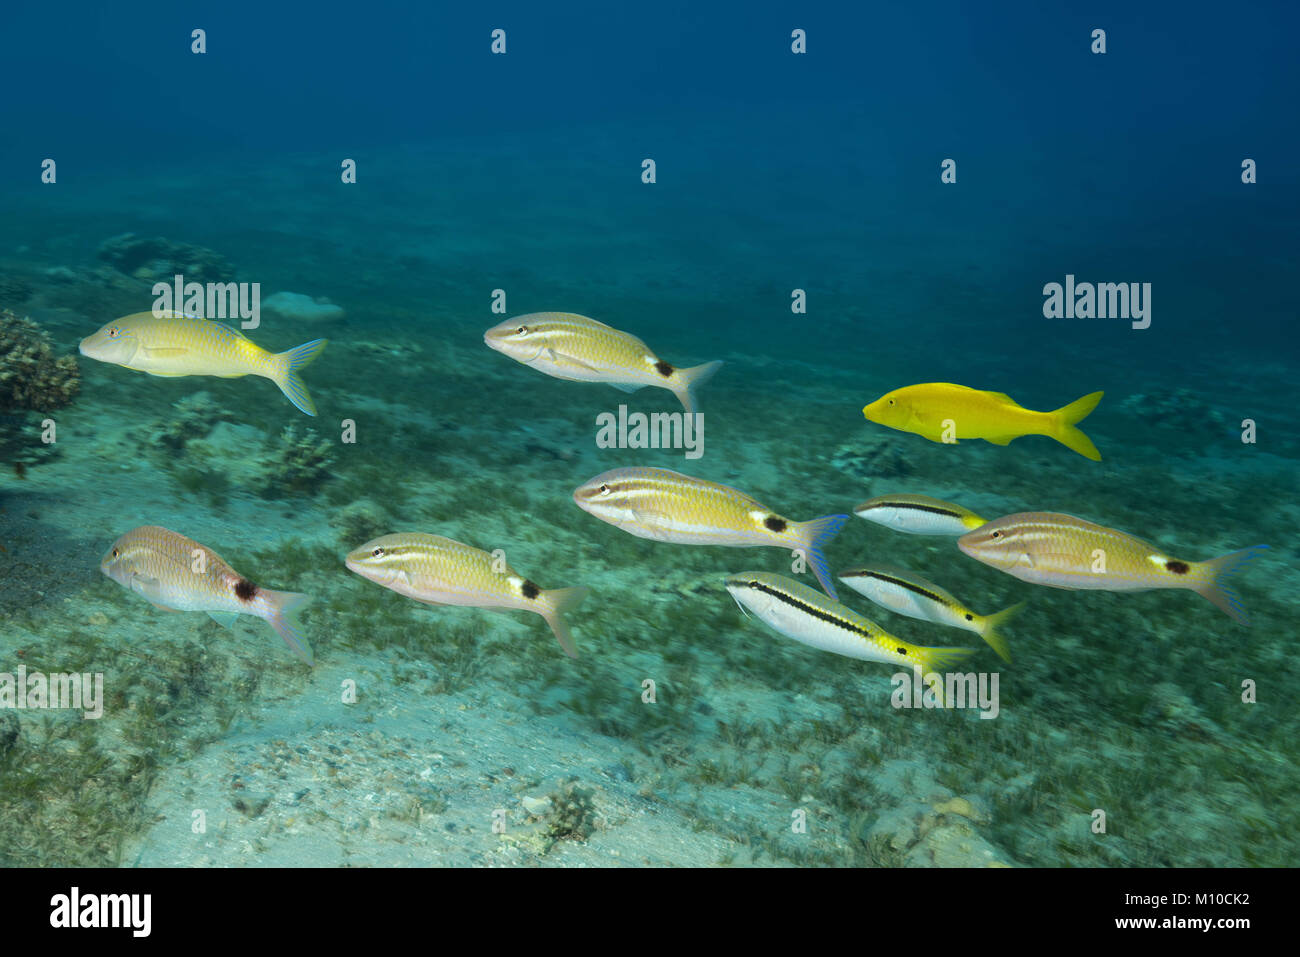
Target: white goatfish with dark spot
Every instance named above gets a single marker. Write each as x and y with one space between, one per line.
914 596
441 571
668 506
1061 551
809 617
568 346
176 573
918 515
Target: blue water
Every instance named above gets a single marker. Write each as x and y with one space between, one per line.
774 172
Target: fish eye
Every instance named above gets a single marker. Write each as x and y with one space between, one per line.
891 401
996 535
116 552
114 332
604 489
753 583
522 330
378 551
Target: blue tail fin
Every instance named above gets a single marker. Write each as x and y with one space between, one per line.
290 382
1217 589
814 535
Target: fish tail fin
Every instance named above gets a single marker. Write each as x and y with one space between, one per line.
1067 417
282 615
289 364
990 632
1215 583
559 601
812 537
938 661
691 379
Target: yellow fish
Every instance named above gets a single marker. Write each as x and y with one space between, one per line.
1061 551
569 346
442 571
176 573
943 412
174 344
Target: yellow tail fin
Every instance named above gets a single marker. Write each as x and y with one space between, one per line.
991 634
1065 419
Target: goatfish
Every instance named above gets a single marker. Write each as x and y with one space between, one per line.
670 507
176 573
918 515
943 412
804 614
1061 551
440 571
573 347
176 344
912 595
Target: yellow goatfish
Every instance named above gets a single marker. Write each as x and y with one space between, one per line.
670 507
914 596
943 412
809 617
1061 551
569 346
174 344
440 571
176 573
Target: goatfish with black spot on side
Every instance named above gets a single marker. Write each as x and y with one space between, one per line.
175 344
809 617
945 413
1061 551
176 573
568 346
441 571
668 506
918 515
908 594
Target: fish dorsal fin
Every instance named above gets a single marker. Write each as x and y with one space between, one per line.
1002 396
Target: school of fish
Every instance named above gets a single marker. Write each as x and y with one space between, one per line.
176 573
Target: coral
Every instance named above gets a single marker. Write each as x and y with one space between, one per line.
359 522
195 416
573 813
20 442
31 377
159 258
298 464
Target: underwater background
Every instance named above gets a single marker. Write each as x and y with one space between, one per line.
775 171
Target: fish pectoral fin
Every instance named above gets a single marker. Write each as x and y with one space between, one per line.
561 358
1025 560
149 588
224 618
